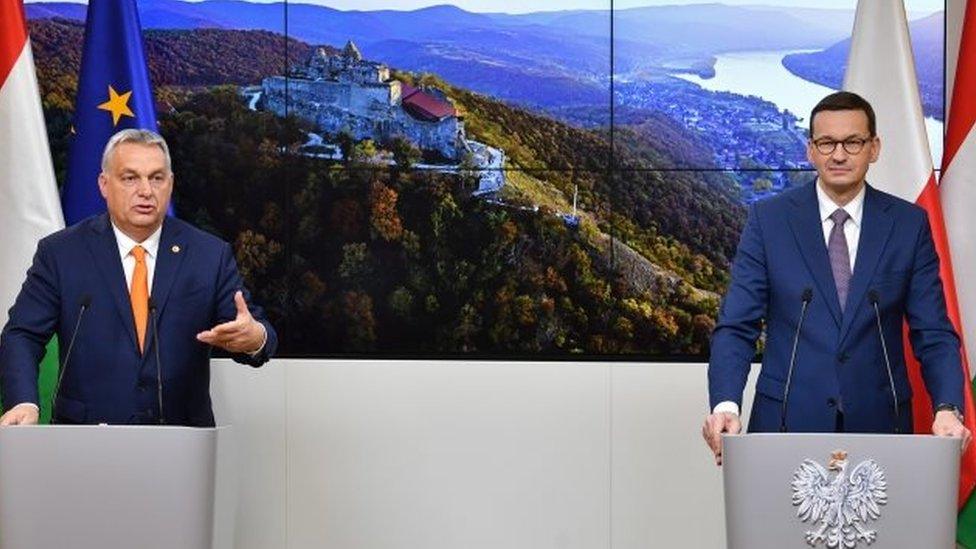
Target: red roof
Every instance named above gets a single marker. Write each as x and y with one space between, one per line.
425 106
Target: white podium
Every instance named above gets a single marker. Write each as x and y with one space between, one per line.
104 487
840 490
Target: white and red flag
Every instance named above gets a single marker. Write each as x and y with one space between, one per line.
957 191
881 68
29 205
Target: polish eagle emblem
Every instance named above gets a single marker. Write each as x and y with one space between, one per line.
842 505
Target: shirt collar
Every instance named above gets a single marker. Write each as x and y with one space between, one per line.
854 208
151 244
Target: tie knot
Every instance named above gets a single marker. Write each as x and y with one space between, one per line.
839 217
139 253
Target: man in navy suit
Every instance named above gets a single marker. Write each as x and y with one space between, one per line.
94 278
855 262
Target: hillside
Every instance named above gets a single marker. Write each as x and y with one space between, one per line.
402 263
175 57
827 67
387 260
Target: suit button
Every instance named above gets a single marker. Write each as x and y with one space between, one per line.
831 402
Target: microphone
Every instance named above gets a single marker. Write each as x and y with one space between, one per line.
159 368
84 305
874 298
806 297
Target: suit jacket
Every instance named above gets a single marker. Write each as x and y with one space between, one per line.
107 379
839 359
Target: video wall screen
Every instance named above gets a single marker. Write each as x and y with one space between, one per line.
484 178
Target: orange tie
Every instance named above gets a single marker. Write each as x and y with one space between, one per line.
139 295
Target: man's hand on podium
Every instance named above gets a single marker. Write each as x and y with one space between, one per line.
715 425
946 424
24 413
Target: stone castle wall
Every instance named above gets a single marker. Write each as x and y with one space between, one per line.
366 112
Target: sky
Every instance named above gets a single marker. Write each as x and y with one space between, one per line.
524 6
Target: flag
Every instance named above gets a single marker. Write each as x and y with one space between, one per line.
881 68
114 93
29 207
958 202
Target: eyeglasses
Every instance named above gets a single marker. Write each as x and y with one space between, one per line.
851 146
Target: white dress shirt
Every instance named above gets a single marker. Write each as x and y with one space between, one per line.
151 245
852 232
852 228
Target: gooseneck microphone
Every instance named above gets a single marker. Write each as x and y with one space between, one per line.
806 297
159 368
874 298
83 305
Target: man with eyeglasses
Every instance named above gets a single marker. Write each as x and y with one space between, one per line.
137 299
831 271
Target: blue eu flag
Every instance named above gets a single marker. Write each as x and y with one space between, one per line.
114 93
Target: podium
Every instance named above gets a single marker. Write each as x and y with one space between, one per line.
808 490
103 487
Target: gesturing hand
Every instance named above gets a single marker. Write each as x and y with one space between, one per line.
241 335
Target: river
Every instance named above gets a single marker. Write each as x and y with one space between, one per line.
762 74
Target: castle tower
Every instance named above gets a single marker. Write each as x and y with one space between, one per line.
351 52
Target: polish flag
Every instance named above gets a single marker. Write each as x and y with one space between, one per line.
881 69
29 204
959 200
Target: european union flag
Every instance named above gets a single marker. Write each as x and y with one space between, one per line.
114 93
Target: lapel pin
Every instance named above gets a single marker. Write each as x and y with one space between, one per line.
175 249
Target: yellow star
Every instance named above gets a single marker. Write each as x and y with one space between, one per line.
117 104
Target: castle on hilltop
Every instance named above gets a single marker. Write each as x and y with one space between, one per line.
344 92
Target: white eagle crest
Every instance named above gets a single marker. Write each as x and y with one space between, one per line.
841 505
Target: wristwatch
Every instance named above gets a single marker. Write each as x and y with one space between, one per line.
950 408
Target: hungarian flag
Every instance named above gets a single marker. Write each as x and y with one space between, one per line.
29 206
114 93
881 69
956 190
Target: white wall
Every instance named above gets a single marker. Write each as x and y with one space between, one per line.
384 455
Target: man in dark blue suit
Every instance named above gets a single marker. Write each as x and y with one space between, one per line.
95 277
856 262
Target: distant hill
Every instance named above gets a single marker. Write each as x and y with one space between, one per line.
175 57
549 59
678 32
827 67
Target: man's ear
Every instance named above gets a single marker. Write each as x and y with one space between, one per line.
875 149
103 184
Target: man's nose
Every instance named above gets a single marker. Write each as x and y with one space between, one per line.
144 187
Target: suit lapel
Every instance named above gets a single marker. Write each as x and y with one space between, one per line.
876 227
169 259
808 230
105 251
